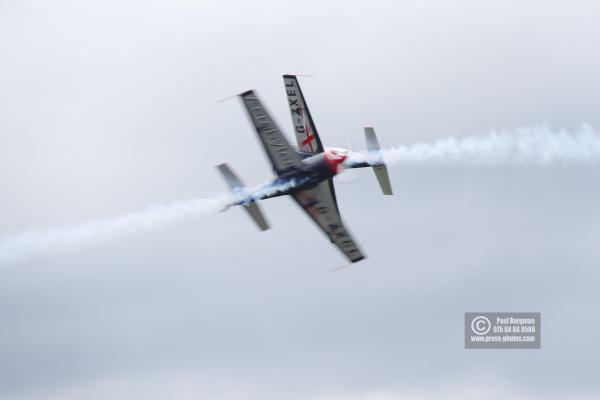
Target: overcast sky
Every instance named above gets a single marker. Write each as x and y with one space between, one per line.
110 106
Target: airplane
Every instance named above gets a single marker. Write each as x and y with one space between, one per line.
305 172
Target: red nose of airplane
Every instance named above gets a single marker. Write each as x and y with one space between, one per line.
333 159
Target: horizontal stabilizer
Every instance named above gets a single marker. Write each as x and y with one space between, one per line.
256 214
232 180
379 167
383 178
252 208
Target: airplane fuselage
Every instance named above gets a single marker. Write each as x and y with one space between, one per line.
304 172
313 169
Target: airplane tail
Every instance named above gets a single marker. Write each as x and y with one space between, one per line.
252 208
379 166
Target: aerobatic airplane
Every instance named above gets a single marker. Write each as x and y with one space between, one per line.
306 172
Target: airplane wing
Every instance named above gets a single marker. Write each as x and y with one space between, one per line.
304 126
280 152
319 204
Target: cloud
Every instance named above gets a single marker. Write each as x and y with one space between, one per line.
109 107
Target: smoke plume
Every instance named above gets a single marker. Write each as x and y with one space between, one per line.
526 146
27 244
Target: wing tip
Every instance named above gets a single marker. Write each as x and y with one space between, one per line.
348 265
288 76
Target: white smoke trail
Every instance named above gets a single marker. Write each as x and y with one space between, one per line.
525 146
248 195
28 244
25 245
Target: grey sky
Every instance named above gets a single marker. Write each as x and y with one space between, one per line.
108 107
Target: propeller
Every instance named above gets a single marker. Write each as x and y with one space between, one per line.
347 174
